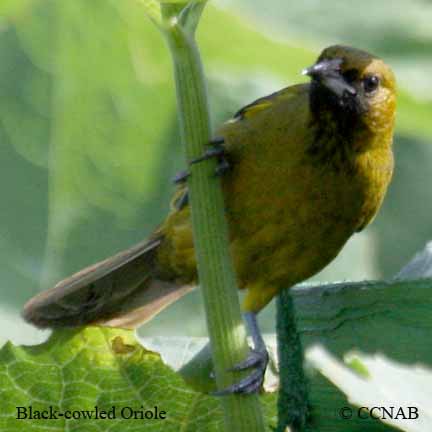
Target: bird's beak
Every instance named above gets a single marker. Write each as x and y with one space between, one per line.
327 73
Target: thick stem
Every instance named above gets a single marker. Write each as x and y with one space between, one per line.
215 268
293 403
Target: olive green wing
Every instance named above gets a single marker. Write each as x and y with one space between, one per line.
267 102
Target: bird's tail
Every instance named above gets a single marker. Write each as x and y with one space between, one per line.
120 291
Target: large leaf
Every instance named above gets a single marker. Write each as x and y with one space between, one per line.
79 370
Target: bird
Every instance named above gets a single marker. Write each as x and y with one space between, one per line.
302 170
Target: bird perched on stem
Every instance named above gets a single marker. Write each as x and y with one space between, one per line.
309 166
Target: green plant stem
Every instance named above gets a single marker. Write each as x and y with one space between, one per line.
293 402
215 268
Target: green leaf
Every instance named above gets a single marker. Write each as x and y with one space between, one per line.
104 368
405 391
391 318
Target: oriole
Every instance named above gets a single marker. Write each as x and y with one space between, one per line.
309 167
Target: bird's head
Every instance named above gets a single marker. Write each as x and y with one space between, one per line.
355 86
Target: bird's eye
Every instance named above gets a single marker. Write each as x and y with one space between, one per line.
370 83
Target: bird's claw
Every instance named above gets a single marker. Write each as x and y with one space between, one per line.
252 383
255 359
217 151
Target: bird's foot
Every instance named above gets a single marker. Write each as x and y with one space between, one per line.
257 360
216 150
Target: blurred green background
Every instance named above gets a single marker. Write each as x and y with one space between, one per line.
89 140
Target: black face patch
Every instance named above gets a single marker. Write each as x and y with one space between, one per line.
323 99
336 120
